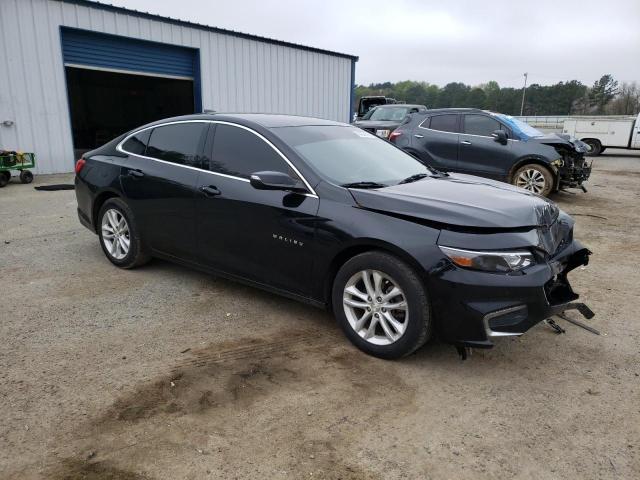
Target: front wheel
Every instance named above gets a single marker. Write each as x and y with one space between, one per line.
119 235
4 178
382 305
535 178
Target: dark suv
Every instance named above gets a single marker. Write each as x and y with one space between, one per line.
496 146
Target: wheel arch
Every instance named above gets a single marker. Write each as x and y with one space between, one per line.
362 246
535 160
97 205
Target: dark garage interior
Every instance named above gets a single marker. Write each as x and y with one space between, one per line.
106 104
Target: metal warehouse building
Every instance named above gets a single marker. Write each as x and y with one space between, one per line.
76 73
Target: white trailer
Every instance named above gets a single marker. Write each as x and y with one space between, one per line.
601 132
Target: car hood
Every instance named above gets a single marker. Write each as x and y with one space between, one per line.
555 139
390 125
463 201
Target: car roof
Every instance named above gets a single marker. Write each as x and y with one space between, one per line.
401 105
456 110
266 120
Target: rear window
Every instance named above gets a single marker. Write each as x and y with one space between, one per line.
443 123
137 143
178 143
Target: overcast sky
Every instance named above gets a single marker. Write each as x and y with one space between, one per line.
445 41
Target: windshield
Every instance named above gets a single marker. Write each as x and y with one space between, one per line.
384 114
521 129
344 155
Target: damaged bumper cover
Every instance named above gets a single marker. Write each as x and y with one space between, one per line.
476 307
573 176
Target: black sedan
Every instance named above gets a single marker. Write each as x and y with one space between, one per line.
329 214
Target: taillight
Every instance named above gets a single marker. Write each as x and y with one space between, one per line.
80 164
395 134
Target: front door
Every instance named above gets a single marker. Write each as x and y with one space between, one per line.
266 236
480 154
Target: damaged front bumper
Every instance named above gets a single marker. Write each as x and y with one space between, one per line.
475 307
573 176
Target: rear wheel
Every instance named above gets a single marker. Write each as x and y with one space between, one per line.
4 178
535 178
119 235
381 305
595 147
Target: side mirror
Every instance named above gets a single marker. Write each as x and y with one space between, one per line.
275 181
500 136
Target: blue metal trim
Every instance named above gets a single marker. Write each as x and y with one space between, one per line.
66 93
197 83
151 16
352 96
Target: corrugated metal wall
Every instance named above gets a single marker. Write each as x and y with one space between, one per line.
237 74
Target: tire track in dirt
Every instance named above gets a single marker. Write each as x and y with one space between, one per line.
241 390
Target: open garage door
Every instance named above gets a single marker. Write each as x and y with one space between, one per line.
117 83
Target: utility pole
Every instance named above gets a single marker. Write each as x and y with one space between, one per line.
524 90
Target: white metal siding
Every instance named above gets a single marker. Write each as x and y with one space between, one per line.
237 74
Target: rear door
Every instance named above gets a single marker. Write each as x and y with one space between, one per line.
261 235
479 153
436 141
160 185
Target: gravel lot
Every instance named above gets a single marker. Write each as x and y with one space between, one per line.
167 373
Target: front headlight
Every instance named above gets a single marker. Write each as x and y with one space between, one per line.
488 261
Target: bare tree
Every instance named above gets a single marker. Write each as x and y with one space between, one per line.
626 102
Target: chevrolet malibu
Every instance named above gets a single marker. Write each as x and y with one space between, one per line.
331 215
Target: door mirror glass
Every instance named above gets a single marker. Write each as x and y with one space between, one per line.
500 136
275 181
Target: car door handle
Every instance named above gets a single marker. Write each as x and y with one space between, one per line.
417 135
465 142
210 191
136 173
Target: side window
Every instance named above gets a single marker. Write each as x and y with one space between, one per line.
443 123
480 125
178 143
240 153
137 143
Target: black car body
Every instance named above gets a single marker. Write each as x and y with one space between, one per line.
384 119
296 205
494 146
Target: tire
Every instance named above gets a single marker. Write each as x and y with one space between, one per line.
4 178
595 147
26 176
411 326
111 213
535 178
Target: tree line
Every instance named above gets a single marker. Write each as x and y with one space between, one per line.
604 97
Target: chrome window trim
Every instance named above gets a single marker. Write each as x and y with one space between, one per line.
459 133
221 122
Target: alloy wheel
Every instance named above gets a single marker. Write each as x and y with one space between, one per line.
532 180
376 307
115 234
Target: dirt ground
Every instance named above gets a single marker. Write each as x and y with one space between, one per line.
167 373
